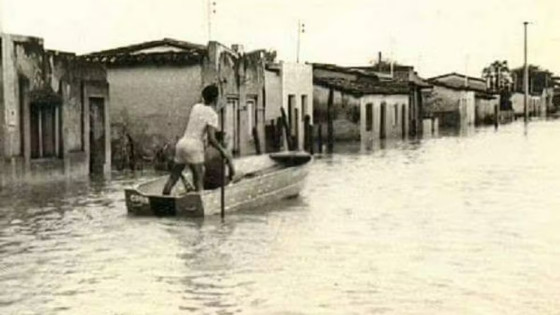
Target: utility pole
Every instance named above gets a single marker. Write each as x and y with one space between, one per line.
525 78
211 10
1 16
301 30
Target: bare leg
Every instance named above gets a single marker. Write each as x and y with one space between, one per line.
176 172
198 176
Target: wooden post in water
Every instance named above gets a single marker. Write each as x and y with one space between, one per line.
320 138
310 140
223 189
286 126
278 134
257 141
330 128
306 133
496 116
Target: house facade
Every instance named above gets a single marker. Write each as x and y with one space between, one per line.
457 100
54 114
536 106
291 86
486 106
383 116
155 84
364 110
329 82
417 85
541 90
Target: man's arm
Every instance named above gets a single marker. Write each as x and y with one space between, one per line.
211 133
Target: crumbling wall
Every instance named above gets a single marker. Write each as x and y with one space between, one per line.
68 75
240 77
32 75
150 108
345 106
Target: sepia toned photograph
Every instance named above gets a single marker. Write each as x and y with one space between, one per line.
279 157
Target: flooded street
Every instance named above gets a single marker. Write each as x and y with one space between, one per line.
454 225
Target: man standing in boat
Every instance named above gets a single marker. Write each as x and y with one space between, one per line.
189 150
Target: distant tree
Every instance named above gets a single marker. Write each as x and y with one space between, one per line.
498 76
539 79
499 81
270 56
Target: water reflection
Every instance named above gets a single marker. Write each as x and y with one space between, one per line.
453 224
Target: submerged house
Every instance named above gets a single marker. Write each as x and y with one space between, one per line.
154 85
541 91
54 117
362 107
417 85
457 100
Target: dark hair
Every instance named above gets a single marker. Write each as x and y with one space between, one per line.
210 93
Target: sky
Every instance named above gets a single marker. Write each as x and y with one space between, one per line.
435 36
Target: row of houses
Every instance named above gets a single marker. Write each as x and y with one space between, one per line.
66 115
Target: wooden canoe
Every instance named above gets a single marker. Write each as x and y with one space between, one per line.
266 178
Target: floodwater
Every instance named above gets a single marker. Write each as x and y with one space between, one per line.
465 224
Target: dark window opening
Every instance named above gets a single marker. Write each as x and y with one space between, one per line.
45 130
369 117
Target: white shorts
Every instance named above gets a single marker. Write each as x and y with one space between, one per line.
189 151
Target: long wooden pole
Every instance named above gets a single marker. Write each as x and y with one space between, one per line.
223 189
298 40
287 129
330 127
525 76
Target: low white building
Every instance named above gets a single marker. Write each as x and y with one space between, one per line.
536 105
383 116
383 108
453 99
290 86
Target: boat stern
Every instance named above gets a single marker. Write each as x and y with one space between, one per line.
185 205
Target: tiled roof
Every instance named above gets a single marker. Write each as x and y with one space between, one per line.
396 67
186 53
359 88
349 70
458 81
455 74
418 81
187 46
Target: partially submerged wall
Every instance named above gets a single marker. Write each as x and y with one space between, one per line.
46 111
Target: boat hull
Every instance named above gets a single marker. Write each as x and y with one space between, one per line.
272 183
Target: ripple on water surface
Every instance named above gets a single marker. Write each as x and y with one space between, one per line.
451 225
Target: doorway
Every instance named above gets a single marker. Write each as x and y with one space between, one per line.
403 120
97 135
383 121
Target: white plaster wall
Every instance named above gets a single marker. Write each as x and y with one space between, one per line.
273 87
154 100
297 79
10 113
533 103
393 123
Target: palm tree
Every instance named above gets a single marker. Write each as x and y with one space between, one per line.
498 76
499 81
